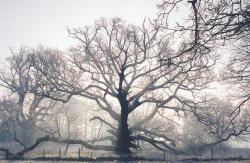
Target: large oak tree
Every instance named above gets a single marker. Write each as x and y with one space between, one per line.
122 68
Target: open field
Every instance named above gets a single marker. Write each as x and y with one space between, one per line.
55 160
231 155
52 152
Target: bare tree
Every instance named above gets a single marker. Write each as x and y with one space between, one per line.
226 23
8 118
68 123
212 20
19 79
236 72
34 100
7 112
120 67
222 121
124 68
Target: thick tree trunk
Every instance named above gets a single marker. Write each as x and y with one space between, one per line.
27 132
124 138
26 125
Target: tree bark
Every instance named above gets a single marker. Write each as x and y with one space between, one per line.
123 137
27 132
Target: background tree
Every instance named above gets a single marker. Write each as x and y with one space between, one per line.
227 24
8 117
21 80
222 121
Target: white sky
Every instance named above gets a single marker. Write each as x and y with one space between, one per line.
33 22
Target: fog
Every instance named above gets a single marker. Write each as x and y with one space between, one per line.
29 23
124 80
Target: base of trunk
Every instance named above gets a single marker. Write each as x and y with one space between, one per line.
124 141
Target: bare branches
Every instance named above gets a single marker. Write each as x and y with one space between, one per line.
115 62
153 134
161 145
223 121
105 122
120 67
61 141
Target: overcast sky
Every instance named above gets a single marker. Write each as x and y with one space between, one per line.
33 22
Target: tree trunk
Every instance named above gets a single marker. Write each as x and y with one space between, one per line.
27 132
123 139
